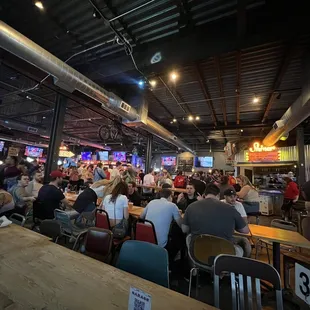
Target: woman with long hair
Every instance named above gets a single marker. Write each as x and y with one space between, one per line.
248 192
129 175
116 204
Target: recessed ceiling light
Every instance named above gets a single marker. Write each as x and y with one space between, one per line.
39 5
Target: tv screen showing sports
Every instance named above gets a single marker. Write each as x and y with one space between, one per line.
119 156
169 161
1 146
204 162
32 151
86 156
103 155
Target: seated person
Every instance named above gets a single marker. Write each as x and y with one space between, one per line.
184 200
51 196
161 212
85 202
6 202
213 217
34 186
116 204
230 197
23 201
133 195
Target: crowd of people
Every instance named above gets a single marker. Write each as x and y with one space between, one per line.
211 203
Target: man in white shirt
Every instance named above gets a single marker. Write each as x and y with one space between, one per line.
148 180
34 186
231 199
161 212
115 171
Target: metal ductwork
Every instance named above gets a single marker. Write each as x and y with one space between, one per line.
295 114
71 80
45 133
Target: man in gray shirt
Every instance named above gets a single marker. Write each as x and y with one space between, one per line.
213 217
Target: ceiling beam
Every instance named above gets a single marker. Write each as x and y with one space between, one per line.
206 93
278 79
220 84
238 87
241 15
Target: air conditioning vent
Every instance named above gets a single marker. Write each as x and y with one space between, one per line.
32 129
124 106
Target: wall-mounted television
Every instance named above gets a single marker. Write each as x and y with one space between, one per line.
204 162
168 161
103 155
119 156
32 151
1 146
86 156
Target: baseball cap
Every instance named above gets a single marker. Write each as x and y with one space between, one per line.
57 174
230 192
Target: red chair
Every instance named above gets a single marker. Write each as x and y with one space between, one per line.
103 221
145 231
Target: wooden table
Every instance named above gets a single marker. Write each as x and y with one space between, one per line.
136 211
158 188
38 274
278 236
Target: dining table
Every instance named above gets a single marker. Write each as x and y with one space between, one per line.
278 236
39 274
158 188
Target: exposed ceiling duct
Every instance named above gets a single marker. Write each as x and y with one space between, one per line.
35 130
296 113
71 80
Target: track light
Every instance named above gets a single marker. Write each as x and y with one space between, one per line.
153 83
173 76
197 118
255 99
39 5
190 118
174 120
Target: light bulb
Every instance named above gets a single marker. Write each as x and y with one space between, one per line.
153 83
190 118
197 118
173 76
174 120
255 99
39 5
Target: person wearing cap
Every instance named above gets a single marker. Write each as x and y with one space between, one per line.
230 197
50 195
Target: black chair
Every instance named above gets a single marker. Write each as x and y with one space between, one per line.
18 219
250 269
41 211
51 228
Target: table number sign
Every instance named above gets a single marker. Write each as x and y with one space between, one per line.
139 300
302 283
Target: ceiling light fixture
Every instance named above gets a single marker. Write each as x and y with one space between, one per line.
173 76
241 130
39 5
190 118
44 117
197 118
153 83
174 120
255 99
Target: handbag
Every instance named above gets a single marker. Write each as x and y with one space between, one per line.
120 230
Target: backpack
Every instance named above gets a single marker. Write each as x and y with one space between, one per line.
180 181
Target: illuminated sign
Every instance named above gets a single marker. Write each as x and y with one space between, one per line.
261 153
64 152
261 148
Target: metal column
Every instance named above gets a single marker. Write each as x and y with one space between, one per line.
148 157
55 135
301 155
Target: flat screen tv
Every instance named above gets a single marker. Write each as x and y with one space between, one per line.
1 146
86 156
103 155
119 156
204 162
33 151
168 161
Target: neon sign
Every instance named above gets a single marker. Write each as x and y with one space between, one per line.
261 148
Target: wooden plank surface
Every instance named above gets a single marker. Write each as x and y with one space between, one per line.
279 235
38 274
136 211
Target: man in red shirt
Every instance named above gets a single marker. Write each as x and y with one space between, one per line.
291 195
107 173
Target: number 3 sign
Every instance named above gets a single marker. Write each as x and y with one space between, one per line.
302 283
